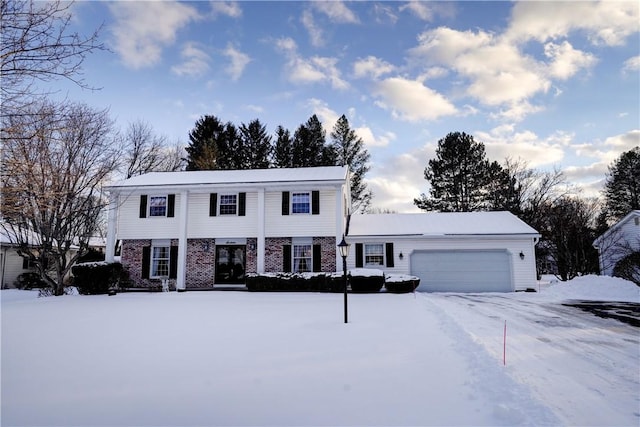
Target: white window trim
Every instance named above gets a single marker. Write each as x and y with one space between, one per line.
309 195
160 244
166 205
364 249
220 196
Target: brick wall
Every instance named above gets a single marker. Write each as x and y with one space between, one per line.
131 259
201 258
327 252
273 253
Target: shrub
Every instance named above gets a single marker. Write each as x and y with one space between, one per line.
628 268
364 280
97 277
289 282
30 280
400 283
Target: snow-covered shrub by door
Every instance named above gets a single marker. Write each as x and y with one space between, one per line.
366 280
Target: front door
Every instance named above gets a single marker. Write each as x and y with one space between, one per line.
230 263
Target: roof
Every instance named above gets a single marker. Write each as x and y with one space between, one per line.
632 214
250 176
439 224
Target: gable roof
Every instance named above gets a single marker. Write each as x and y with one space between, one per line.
439 224
325 174
617 225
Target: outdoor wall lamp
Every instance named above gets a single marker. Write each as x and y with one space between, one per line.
343 246
521 255
400 256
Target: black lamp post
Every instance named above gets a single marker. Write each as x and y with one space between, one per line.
344 253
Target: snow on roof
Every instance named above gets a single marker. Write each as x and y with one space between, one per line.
250 176
438 224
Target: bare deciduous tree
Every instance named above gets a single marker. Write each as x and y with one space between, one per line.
146 151
55 160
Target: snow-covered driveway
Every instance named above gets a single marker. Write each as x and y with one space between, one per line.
583 367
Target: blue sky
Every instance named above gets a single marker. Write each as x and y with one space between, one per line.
553 83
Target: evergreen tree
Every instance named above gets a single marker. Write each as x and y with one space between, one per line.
622 187
460 176
256 145
349 150
231 153
308 148
202 151
282 152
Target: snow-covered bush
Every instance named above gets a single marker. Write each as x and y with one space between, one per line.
93 278
30 280
401 283
366 280
292 282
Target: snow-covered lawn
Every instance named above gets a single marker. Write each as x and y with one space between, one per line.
240 358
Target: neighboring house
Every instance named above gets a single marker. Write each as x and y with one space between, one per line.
449 252
622 239
202 229
11 264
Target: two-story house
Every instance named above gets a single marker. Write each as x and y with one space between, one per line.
200 229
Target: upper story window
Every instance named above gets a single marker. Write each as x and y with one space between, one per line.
157 206
300 203
374 254
228 204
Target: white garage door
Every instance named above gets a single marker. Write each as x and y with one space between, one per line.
463 270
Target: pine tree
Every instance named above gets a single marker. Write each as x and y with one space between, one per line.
231 154
349 150
460 176
308 148
256 145
202 151
282 152
622 187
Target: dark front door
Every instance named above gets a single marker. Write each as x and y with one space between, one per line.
230 263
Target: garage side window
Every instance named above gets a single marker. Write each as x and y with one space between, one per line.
374 254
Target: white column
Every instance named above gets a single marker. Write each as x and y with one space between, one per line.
340 224
182 241
112 217
260 246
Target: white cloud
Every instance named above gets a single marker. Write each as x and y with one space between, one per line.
315 32
196 61
565 60
420 9
411 100
608 23
142 29
632 65
337 11
286 45
238 62
370 140
371 67
384 14
227 8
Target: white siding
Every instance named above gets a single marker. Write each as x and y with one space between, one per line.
619 243
201 225
300 225
130 226
12 265
523 270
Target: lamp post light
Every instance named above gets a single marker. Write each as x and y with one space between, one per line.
343 246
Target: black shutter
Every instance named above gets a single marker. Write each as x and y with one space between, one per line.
359 255
173 262
315 203
146 261
242 204
317 258
285 203
143 206
25 263
286 258
213 204
171 205
389 252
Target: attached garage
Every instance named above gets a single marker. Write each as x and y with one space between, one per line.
462 270
449 252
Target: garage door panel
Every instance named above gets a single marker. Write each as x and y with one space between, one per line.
463 271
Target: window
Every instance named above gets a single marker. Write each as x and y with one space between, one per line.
160 261
158 206
301 258
301 203
228 204
374 254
